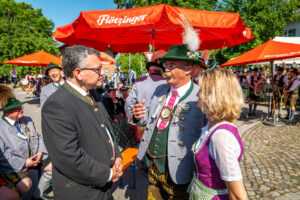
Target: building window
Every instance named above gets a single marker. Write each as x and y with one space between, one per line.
291 32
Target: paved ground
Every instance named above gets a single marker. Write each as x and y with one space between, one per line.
270 165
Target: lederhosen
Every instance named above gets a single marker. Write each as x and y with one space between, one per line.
279 83
252 95
292 95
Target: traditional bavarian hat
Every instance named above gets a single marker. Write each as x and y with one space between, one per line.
51 66
11 104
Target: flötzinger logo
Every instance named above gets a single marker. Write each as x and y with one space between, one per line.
107 19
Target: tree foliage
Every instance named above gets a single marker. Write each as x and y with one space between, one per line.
135 62
193 4
267 18
30 32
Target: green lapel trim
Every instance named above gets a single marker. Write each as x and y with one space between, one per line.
54 85
76 94
6 120
187 93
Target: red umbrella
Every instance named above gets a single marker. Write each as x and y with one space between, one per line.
106 61
41 58
132 30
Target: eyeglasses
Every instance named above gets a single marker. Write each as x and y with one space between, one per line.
169 65
173 65
96 69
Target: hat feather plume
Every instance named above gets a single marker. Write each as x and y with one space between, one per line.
190 35
5 93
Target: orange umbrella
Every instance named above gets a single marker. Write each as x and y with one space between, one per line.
106 61
40 58
268 51
132 30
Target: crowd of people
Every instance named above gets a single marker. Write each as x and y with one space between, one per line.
257 83
181 116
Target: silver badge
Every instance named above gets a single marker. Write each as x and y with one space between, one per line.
182 118
178 111
185 106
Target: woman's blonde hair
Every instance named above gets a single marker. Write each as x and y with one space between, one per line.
220 95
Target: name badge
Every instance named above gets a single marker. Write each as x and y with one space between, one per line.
22 136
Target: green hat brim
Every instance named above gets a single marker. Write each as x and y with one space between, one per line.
163 59
10 107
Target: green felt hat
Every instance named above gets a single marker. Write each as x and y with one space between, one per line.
11 104
180 52
51 66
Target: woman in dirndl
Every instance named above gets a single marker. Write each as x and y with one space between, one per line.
219 149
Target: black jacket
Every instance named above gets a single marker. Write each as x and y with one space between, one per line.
78 144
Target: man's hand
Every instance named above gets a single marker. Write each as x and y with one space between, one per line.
139 110
39 156
118 164
32 161
116 121
117 170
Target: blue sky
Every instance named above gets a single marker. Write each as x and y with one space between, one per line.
63 12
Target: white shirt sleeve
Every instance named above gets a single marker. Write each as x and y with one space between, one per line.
286 81
110 175
249 80
225 149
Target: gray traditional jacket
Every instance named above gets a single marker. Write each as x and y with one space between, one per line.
184 130
143 88
16 148
46 91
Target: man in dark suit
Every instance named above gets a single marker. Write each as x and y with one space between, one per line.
77 132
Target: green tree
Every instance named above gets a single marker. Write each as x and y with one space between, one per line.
135 63
30 32
266 18
193 4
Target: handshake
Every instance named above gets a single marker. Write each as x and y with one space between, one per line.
116 170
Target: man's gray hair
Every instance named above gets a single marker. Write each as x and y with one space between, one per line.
75 57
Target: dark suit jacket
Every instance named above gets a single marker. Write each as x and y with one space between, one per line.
113 109
78 144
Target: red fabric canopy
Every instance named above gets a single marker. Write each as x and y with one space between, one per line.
268 51
106 61
40 58
132 30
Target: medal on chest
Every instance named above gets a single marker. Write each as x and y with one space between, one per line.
166 113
